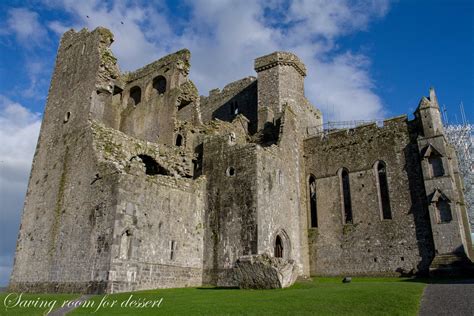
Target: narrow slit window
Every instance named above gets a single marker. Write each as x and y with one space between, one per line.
346 196
172 250
383 194
125 240
313 201
179 140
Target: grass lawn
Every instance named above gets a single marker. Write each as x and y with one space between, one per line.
321 296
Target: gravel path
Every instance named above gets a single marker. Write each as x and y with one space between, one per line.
448 299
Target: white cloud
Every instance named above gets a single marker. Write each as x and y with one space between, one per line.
19 129
226 36
25 25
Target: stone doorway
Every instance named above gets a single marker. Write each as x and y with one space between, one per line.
281 245
278 247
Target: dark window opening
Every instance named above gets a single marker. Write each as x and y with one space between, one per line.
179 140
383 191
67 116
234 108
436 165
183 103
151 166
230 171
313 201
198 160
278 247
135 95
444 210
159 84
117 90
346 193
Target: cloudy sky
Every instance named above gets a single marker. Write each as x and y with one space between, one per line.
366 59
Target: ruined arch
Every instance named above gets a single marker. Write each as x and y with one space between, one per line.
135 95
159 84
151 166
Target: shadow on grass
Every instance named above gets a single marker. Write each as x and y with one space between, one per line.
218 288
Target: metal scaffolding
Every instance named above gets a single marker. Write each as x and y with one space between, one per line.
461 136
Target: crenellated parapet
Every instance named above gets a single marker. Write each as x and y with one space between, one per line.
279 59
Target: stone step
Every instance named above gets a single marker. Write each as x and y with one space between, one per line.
451 265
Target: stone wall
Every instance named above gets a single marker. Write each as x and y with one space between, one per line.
161 220
152 118
238 97
231 216
64 239
371 244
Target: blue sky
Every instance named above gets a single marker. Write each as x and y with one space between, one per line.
365 59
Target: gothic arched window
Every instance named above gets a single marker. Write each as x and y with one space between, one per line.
346 196
313 201
383 192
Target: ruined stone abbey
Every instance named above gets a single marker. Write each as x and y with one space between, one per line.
138 182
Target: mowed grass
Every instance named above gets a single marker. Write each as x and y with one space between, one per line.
320 296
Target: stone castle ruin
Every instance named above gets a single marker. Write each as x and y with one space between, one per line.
138 182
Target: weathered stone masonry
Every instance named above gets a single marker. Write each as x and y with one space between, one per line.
138 182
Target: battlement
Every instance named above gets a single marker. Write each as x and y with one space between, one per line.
280 58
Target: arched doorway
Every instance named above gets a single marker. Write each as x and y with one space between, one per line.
279 247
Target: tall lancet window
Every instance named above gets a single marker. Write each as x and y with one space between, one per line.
382 187
313 201
346 196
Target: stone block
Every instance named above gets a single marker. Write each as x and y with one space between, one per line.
264 272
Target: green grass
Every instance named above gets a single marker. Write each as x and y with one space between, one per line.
321 296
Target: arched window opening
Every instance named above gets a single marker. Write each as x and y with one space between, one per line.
444 211
346 196
313 201
151 166
278 247
135 95
125 245
436 165
383 194
179 140
159 84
